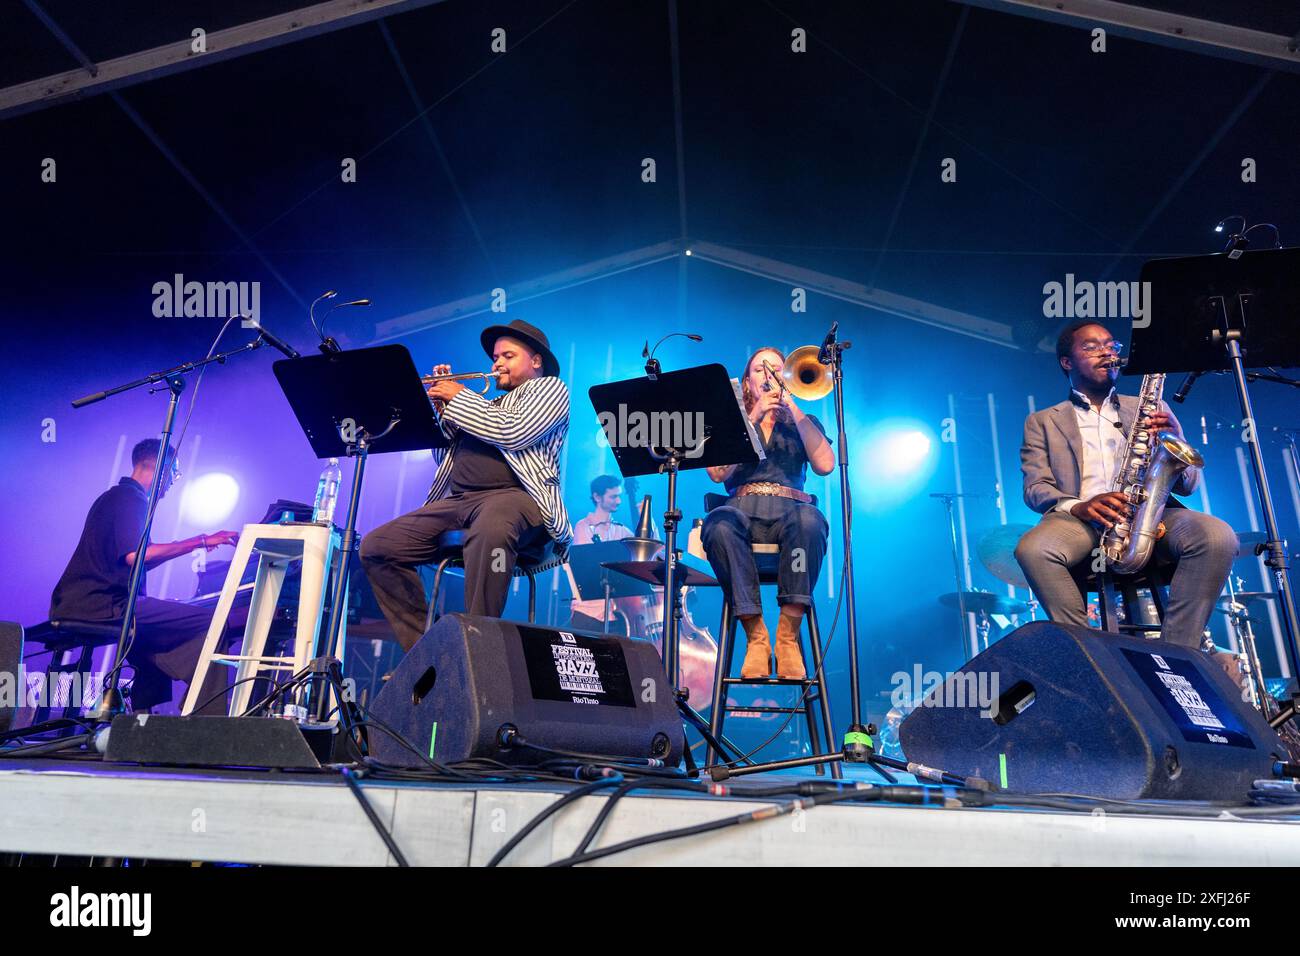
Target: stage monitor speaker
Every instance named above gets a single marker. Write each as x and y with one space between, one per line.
11 658
203 741
573 691
1076 710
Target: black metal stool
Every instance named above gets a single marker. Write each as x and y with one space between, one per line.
451 555
59 637
1155 577
813 687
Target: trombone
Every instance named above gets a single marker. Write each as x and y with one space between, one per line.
802 375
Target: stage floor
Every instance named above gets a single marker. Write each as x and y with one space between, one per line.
87 808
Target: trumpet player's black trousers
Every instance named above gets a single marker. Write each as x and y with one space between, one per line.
1203 545
499 524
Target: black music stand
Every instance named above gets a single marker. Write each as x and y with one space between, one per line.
665 423
345 403
1205 314
592 580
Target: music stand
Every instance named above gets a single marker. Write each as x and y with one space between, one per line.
591 578
345 402
1205 314
665 423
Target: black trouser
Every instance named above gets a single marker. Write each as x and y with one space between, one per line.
499 524
169 638
168 642
800 530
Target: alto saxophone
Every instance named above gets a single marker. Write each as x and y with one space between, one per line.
1151 467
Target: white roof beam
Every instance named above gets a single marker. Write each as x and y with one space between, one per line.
176 57
1272 50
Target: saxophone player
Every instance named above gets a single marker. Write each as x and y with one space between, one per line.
1069 458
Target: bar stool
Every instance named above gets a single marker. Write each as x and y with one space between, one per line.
451 557
812 688
1109 586
62 638
278 546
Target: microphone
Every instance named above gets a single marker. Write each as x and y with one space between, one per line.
1181 395
824 354
272 340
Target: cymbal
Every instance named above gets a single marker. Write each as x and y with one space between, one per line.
997 552
1247 596
984 601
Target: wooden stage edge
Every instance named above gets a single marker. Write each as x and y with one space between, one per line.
88 809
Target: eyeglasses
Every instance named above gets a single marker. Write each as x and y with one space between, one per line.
1092 348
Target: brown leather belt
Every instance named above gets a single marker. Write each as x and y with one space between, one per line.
772 488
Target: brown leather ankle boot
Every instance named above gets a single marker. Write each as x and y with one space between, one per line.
758 650
789 655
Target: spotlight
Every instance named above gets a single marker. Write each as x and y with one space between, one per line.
902 452
899 457
209 499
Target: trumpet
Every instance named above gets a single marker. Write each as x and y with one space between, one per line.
490 378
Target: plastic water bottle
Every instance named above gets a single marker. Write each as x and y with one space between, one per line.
327 493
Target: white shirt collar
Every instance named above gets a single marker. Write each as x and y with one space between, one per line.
1084 401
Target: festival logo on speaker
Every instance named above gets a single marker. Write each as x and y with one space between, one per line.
1187 697
576 668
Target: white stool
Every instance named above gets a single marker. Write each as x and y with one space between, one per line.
277 545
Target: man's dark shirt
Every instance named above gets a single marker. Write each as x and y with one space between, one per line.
93 586
479 466
786 462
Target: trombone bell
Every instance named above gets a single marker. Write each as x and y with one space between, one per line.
804 376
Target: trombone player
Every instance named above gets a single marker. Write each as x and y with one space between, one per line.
766 504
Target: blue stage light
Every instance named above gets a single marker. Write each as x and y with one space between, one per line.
898 456
902 452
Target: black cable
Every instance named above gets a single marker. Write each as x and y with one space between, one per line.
373 817
646 763
546 814
438 768
49 746
221 693
753 816
623 790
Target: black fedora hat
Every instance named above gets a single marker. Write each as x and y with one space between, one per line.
530 335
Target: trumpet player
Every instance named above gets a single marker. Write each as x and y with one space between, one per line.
1069 458
499 480
767 505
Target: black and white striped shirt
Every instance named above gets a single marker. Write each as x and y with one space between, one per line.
528 424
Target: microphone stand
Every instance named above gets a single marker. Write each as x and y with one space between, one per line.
110 702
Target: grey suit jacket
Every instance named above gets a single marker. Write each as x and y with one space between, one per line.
1051 455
